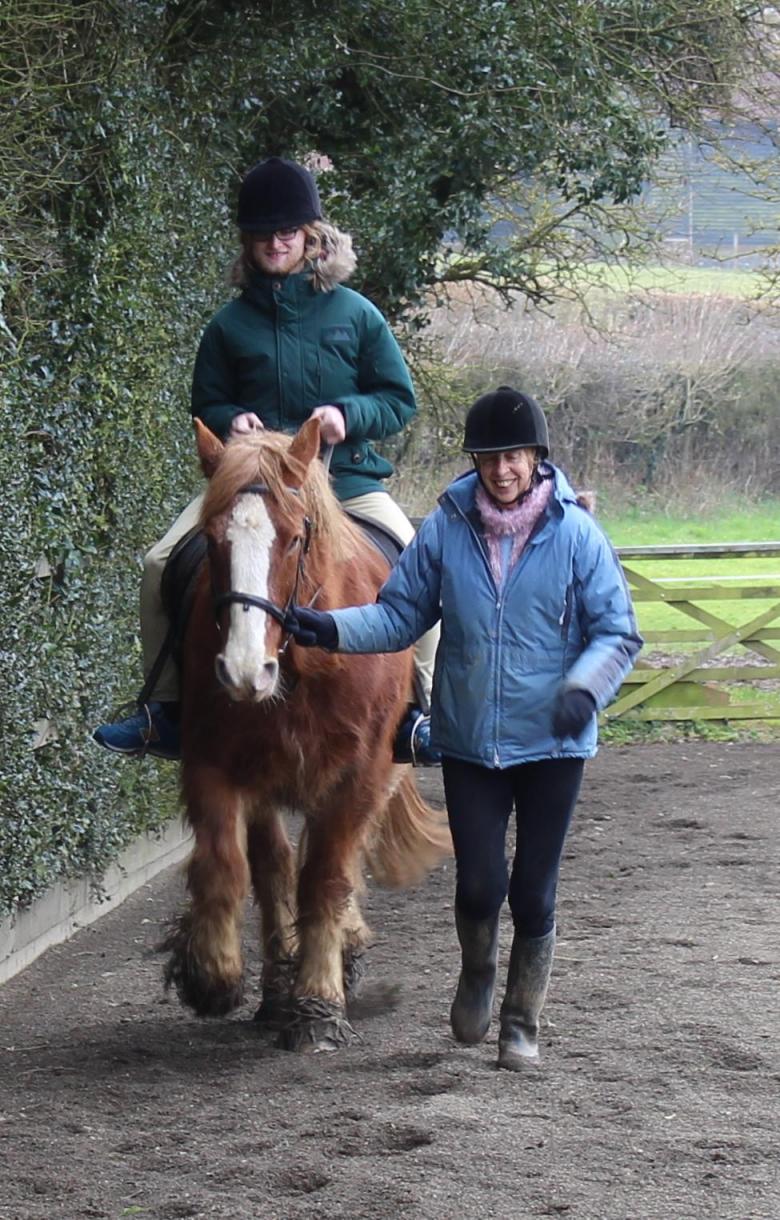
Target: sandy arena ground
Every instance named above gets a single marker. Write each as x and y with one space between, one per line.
658 1098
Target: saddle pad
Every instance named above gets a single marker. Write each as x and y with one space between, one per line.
178 580
386 542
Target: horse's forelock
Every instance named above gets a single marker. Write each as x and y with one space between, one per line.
250 459
264 457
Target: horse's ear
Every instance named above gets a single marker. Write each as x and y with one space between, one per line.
306 442
210 448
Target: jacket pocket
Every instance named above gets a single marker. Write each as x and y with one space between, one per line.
336 363
568 608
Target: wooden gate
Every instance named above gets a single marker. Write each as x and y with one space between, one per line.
693 684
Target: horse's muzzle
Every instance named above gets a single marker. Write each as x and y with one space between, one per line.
254 686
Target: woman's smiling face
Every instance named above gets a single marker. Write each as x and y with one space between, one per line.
506 475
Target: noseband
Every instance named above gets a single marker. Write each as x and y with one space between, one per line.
233 597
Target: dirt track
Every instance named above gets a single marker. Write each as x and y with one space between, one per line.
659 1093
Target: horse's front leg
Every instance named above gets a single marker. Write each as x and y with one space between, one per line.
206 964
355 935
355 932
273 869
328 920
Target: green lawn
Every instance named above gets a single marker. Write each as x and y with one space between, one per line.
639 526
756 524
682 279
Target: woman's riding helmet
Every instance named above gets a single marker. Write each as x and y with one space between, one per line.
277 194
505 419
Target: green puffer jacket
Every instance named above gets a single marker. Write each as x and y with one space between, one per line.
283 348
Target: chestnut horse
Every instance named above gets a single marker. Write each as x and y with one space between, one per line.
269 727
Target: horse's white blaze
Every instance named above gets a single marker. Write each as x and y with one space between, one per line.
250 670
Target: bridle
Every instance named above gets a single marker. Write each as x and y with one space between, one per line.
247 600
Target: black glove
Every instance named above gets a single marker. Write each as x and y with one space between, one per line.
312 628
572 712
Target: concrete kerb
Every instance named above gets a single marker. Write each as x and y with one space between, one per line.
69 906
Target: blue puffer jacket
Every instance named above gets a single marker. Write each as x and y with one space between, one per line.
563 619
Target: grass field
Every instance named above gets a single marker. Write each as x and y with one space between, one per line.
760 523
641 526
730 282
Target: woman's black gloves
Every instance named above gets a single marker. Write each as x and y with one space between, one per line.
572 712
312 628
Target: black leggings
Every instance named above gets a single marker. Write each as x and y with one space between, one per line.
479 802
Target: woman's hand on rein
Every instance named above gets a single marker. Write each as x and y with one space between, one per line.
333 428
312 628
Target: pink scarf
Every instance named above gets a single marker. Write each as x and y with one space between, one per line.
518 521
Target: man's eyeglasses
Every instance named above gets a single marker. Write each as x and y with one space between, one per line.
283 235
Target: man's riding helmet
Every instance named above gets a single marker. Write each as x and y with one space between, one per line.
277 194
506 419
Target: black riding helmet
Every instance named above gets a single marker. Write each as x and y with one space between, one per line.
506 419
277 194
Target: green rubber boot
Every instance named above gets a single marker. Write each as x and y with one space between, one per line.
472 1008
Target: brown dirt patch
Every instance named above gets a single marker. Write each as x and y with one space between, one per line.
658 1096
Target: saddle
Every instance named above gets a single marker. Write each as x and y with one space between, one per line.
181 572
386 542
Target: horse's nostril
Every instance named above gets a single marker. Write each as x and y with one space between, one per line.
271 669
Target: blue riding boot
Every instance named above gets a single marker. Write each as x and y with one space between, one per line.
413 741
152 730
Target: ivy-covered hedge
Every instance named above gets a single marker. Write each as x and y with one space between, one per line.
126 125
112 259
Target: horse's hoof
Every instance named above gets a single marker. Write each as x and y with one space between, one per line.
209 998
205 995
314 1025
208 994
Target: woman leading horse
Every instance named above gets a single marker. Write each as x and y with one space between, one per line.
538 632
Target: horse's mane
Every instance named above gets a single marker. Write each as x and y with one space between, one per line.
264 457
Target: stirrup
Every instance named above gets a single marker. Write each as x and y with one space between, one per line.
413 741
147 731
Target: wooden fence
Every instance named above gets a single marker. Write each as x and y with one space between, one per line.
692 680
694 686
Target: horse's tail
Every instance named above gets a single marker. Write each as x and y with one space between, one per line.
409 839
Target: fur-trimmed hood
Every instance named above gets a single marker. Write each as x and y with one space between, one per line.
587 500
337 259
